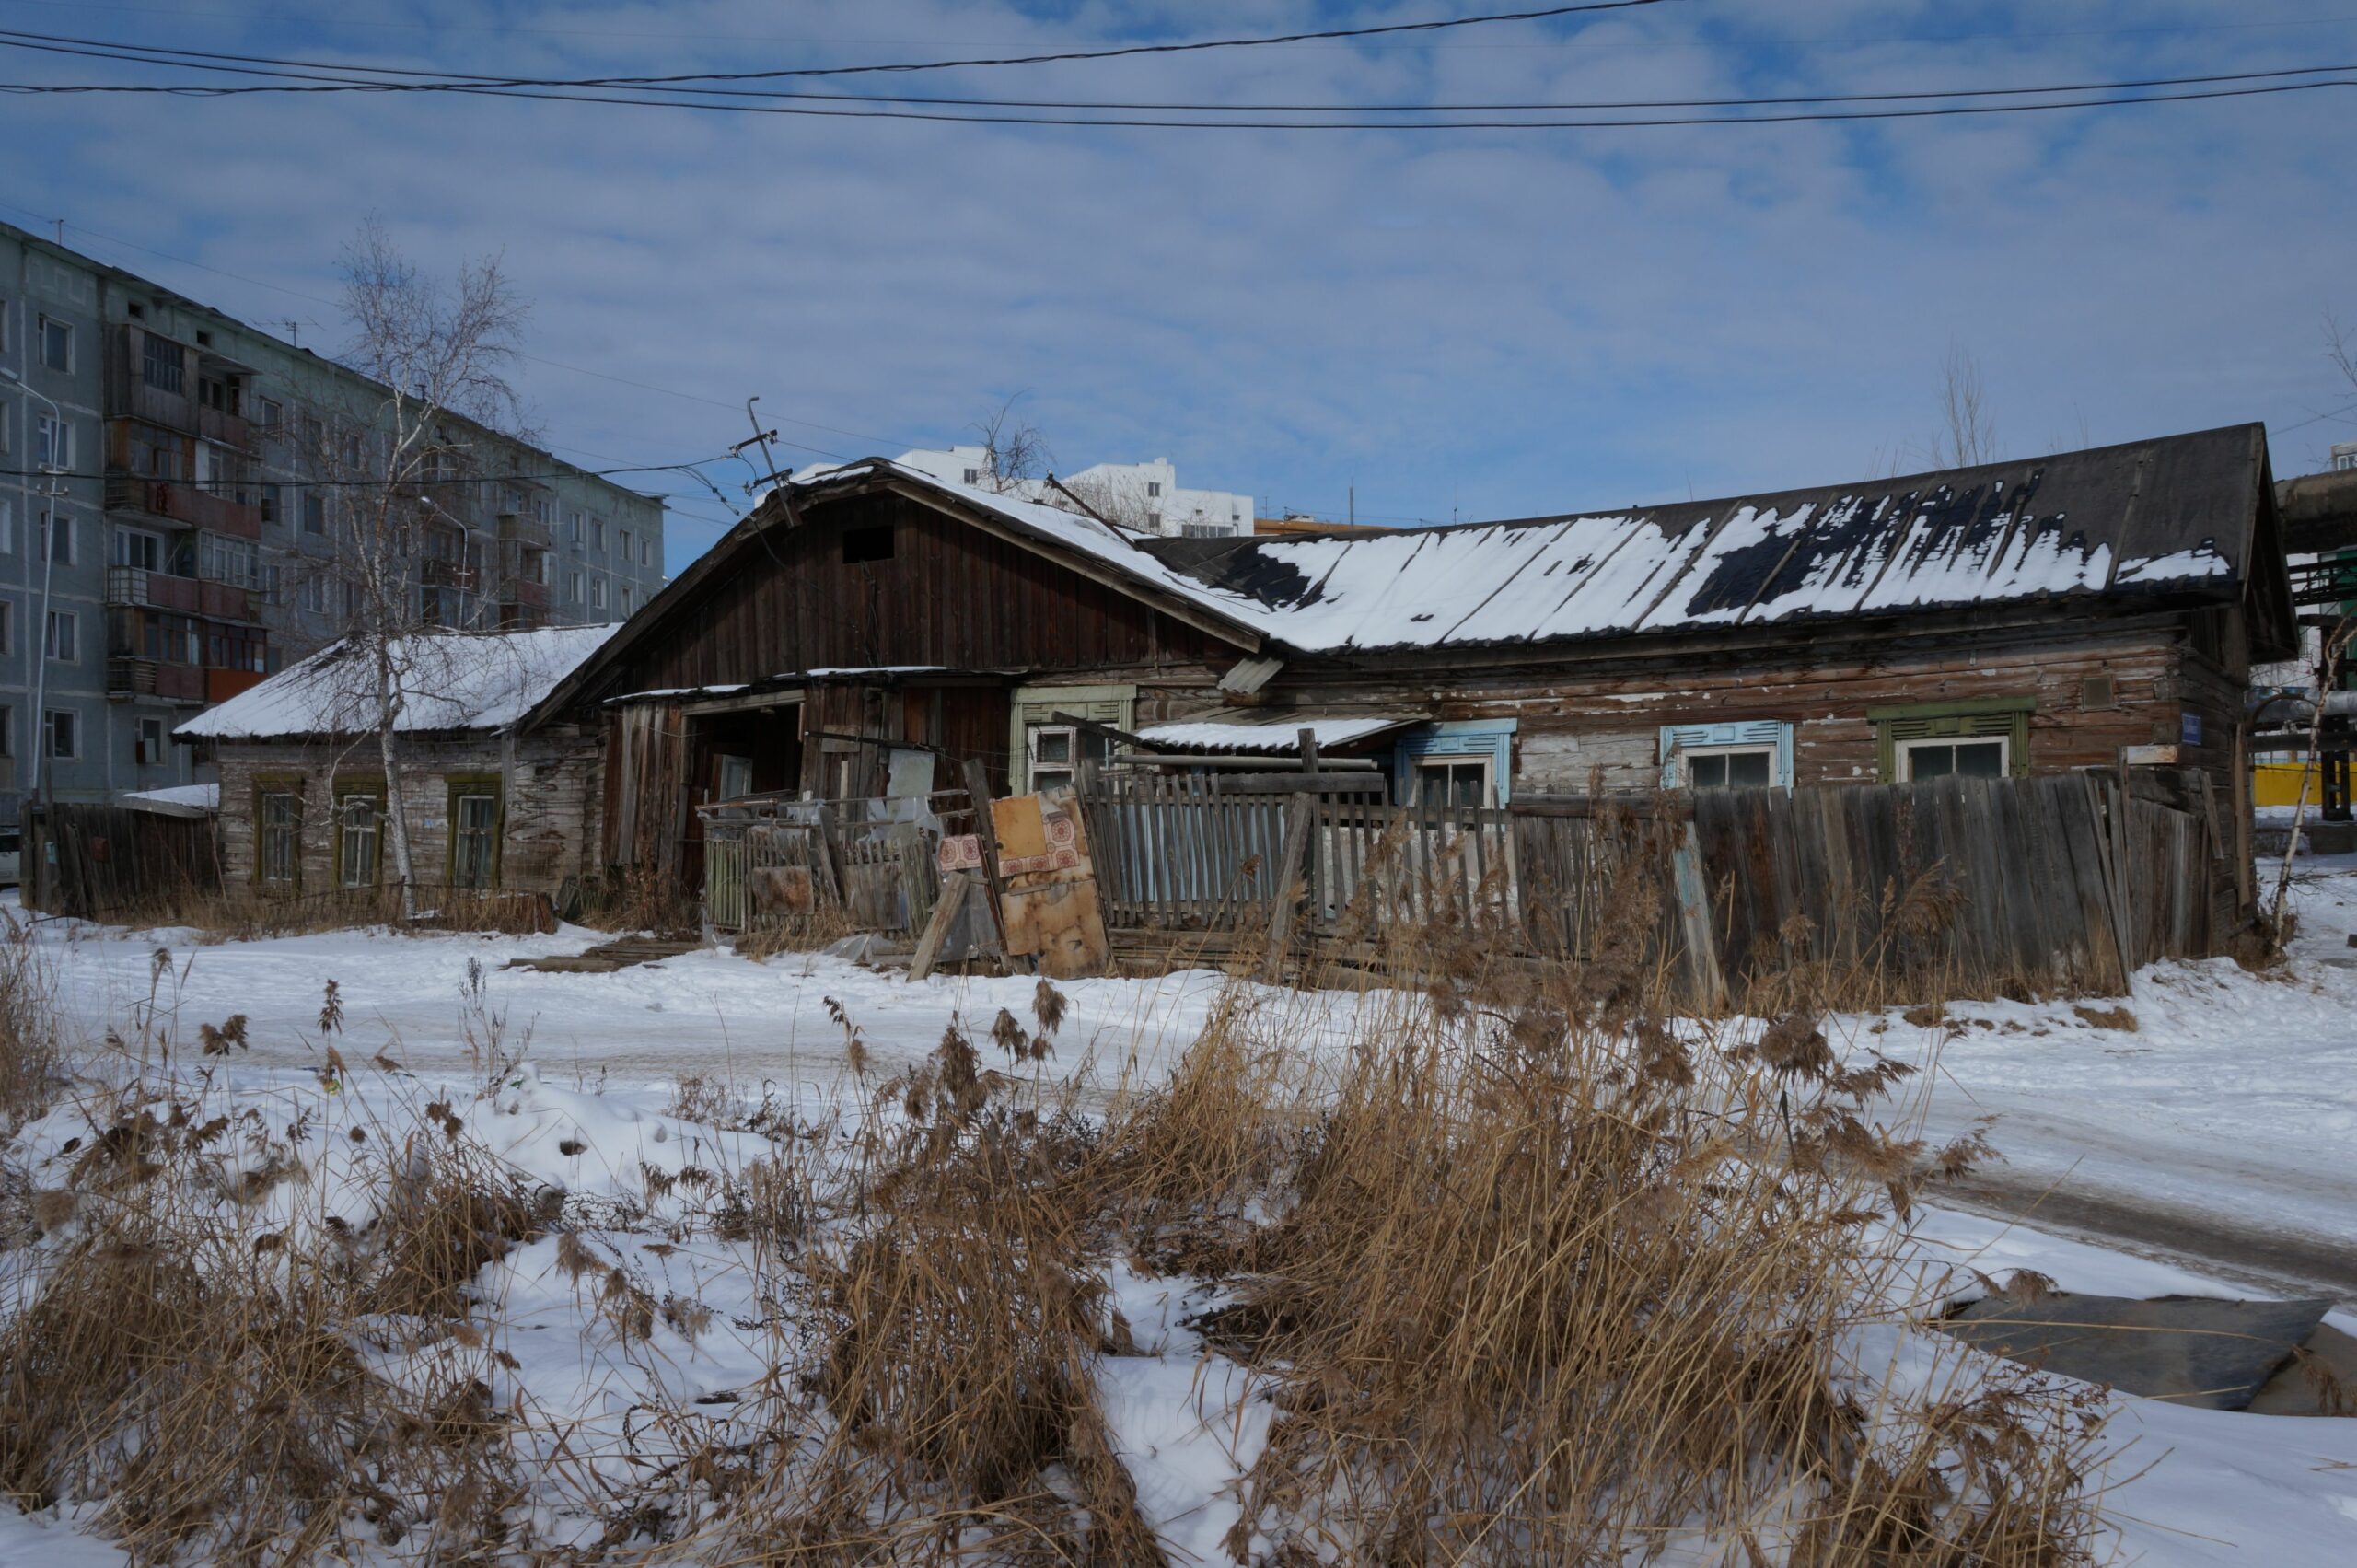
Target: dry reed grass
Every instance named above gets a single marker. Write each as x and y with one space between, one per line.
212 1379
33 1067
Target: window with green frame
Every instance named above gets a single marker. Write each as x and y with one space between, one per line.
477 807
359 831
278 832
1979 737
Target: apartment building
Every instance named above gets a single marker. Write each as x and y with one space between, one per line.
172 481
1144 497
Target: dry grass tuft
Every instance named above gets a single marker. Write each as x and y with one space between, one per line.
32 1060
211 1380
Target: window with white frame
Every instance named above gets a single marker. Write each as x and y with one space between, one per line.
621 544
598 534
61 539
1053 753
1051 750
1979 757
52 442
63 640
56 345
596 593
62 733
147 742
277 841
137 547
1739 754
646 551
8 527
628 599
1441 779
7 626
572 587
311 595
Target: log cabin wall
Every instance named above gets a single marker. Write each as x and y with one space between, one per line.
550 787
2097 685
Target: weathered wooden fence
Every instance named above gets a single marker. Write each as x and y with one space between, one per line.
110 862
770 859
2058 882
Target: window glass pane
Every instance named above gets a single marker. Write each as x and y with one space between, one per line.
1706 773
471 858
1981 758
1931 761
1051 778
1051 745
1748 770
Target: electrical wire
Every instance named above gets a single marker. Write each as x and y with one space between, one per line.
1119 51
450 81
2270 83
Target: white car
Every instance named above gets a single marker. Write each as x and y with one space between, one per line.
11 855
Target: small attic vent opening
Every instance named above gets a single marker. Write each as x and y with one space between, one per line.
867 544
2095 691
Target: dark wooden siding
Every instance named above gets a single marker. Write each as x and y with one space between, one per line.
949 595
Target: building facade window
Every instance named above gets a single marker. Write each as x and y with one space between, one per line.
62 639
596 593
622 540
598 534
148 742
315 512
61 539
137 547
278 835
359 835
1049 753
160 364
63 734
572 587
57 345
475 833
52 442
1466 763
1742 754
628 599
1988 738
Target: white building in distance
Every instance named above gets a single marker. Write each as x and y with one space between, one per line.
1145 496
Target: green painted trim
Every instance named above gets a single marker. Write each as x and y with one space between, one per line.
298 786
1123 696
345 785
1959 709
492 785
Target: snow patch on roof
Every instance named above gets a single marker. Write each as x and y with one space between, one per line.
1271 736
175 799
445 680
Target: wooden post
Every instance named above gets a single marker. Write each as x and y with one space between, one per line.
1299 815
1309 750
1694 916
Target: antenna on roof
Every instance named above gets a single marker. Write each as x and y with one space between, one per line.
772 475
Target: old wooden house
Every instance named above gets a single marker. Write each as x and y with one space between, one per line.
489 801
869 631
2080 609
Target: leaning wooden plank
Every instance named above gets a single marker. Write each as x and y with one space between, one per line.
936 929
1298 816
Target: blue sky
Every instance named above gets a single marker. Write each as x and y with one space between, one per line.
1467 324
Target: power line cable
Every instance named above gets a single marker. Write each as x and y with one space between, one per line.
2271 85
406 80
1119 51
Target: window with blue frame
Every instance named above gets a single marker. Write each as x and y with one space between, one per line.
1746 754
1468 763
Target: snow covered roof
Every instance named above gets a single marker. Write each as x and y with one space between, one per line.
1273 735
447 680
176 800
2171 514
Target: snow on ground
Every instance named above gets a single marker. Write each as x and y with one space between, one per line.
2234 1100
2235 1096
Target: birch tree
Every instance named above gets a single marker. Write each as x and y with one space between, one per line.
405 467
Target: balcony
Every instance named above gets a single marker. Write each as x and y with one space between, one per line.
436 572
184 504
180 406
526 530
220 685
128 678
134 587
525 592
